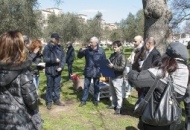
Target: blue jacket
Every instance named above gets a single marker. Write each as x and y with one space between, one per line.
50 53
92 69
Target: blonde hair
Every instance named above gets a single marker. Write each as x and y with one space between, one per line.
12 48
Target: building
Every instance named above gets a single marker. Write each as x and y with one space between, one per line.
83 17
183 38
46 13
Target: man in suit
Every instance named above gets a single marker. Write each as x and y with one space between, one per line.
148 57
152 55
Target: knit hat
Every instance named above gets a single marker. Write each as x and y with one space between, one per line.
177 50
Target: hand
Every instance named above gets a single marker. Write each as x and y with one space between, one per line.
59 69
36 50
57 60
83 48
110 65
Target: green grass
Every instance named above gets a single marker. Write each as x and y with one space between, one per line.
88 117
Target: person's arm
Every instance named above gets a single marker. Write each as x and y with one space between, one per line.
73 55
140 79
81 53
103 55
62 61
28 91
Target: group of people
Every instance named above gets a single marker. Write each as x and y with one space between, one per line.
20 66
147 66
20 63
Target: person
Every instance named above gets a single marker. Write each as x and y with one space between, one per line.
54 58
187 106
172 63
19 100
117 63
70 56
36 57
151 56
92 54
134 58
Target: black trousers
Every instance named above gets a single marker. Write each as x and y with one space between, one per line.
70 71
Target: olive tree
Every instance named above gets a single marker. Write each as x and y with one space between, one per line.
157 18
19 15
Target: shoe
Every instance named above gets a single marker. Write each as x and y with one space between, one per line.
82 104
49 106
111 107
95 103
59 103
117 111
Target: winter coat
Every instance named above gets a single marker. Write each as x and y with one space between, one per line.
50 53
146 78
36 59
119 63
92 68
18 81
70 56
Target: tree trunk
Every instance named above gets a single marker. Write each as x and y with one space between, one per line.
157 18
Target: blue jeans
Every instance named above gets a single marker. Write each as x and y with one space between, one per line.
53 89
36 81
87 82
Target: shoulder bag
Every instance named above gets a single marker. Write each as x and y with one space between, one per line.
165 112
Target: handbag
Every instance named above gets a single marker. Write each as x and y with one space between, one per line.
164 112
143 100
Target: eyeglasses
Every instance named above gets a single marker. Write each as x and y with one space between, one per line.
135 41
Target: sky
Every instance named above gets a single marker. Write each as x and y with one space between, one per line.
112 10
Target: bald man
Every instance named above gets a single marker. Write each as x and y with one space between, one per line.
133 58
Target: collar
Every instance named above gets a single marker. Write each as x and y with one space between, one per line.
149 50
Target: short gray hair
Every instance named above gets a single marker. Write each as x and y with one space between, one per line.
95 39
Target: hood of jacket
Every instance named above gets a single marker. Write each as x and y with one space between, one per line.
8 72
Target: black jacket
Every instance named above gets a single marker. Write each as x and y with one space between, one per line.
50 54
36 59
152 58
92 69
70 55
18 81
119 61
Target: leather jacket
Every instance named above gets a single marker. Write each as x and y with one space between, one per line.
119 61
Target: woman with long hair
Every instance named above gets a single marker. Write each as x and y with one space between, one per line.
173 64
18 97
35 55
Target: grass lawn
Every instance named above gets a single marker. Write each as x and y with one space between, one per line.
88 117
